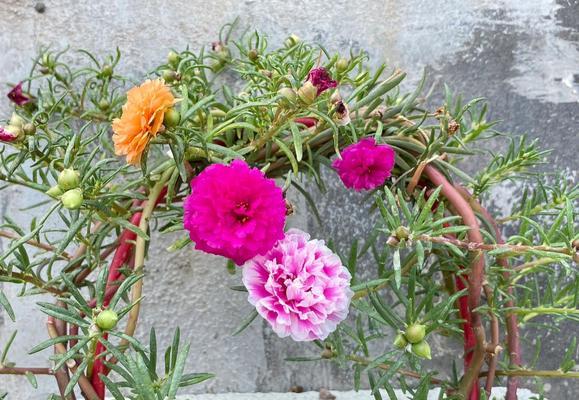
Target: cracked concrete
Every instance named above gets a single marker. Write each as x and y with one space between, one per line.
522 56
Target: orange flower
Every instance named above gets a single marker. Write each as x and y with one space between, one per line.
141 119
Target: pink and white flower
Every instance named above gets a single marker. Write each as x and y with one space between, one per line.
300 287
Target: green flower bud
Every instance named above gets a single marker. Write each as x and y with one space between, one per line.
29 128
415 333
402 232
253 54
172 118
16 120
68 179
54 191
422 350
107 71
173 59
72 199
292 40
341 64
327 354
289 95
104 104
169 76
400 341
107 320
308 93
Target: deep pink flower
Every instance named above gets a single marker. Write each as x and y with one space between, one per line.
8 135
234 211
16 95
321 79
300 287
365 165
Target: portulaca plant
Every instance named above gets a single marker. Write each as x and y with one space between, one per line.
183 148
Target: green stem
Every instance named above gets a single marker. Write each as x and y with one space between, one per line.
140 247
537 374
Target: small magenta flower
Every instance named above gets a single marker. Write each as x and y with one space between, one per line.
16 95
365 165
321 79
300 287
234 211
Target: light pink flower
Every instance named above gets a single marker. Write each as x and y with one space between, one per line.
16 95
234 211
300 287
365 165
321 79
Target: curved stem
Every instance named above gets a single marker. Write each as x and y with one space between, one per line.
140 246
513 344
475 279
11 235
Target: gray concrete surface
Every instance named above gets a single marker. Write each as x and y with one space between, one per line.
522 55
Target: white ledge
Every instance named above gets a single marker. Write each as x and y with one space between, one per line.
497 394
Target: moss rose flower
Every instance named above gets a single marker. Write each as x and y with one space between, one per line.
321 79
365 165
234 211
16 95
300 287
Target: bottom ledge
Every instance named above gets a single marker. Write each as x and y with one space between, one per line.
497 394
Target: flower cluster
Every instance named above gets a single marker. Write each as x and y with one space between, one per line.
296 284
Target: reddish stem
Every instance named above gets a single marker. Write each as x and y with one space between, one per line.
474 282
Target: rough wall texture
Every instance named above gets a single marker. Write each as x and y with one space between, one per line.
523 56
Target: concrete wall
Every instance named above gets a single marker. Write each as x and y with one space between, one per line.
522 55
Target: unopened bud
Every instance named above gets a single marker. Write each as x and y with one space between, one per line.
327 353
68 179
172 118
104 104
400 341
308 93
29 128
107 71
265 72
72 199
341 64
422 350
54 191
415 333
575 244
170 76
292 40
107 320
253 54
173 59
10 133
288 95
16 120
402 232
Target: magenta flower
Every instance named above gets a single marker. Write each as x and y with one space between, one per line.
321 79
234 211
9 134
365 165
300 287
16 95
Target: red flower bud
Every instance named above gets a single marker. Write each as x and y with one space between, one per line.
16 95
